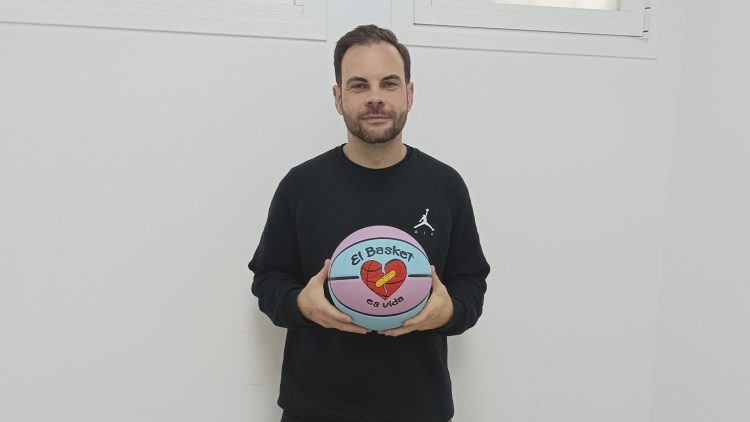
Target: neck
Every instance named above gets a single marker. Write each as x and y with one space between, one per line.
375 156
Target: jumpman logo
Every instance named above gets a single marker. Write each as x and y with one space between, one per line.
423 222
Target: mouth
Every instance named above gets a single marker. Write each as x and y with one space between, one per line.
376 117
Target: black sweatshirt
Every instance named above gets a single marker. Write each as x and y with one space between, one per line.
330 375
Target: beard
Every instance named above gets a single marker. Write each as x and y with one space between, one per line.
379 134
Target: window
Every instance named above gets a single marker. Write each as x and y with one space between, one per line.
620 28
304 19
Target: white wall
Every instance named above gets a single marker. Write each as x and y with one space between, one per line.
136 170
703 365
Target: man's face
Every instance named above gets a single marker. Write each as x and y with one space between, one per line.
374 97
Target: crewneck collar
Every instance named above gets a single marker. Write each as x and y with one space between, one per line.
412 155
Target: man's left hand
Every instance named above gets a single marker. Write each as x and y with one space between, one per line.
437 311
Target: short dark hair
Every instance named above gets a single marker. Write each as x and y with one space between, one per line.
364 35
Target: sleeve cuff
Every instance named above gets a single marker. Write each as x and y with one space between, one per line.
294 315
456 324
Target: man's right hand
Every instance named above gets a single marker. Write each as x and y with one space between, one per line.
315 307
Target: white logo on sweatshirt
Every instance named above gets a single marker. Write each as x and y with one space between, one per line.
423 222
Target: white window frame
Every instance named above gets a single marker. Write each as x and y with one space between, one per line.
492 26
302 19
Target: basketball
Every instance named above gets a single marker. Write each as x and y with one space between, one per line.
380 276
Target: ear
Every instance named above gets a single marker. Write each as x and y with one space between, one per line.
337 97
409 95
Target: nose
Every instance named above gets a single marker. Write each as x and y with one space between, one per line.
375 99
375 102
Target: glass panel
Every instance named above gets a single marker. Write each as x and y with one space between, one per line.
223 3
575 4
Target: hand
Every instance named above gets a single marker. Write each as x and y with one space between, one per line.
436 312
315 307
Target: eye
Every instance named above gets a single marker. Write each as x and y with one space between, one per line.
358 86
390 84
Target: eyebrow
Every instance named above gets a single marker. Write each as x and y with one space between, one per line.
361 79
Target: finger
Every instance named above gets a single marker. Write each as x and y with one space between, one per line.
435 280
417 320
336 315
395 332
352 328
422 316
411 324
343 326
324 271
322 275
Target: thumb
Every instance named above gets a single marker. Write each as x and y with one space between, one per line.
323 273
435 279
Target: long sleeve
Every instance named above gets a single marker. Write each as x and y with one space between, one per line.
316 206
277 265
466 270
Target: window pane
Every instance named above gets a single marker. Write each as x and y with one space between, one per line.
225 3
576 4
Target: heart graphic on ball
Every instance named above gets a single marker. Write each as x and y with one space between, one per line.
383 283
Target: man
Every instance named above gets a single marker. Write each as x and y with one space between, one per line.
334 370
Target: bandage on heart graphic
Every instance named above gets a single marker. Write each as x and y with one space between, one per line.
383 283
